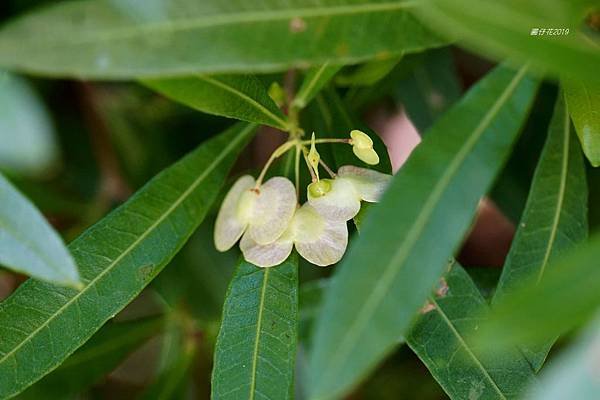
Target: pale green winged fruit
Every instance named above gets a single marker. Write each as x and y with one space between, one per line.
362 146
320 240
264 213
351 186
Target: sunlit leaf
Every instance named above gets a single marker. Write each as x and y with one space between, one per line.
42 325
28 244
130 39
382 282
256 349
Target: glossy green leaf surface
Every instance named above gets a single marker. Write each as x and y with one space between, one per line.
42 325
314 80
103 353
574 373
235 96
381 283
555 216
28 244
583 102
441 338
26 132
256 348
566 297
130 39
507 29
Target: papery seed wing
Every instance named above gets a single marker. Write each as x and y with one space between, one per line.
273 210
267 255
319 240
230 225
342 202
369 156
369 184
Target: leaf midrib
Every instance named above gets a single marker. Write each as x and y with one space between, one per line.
411 238
300 100
253 103
258 333
143 236
561 195
463 343
224 19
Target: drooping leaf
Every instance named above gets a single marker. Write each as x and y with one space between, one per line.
235 96
26 131
103 353
28 244
256 348
518 30
583 102
407 239
574 374
441 338
566 297
369 73
151 38
314 80
555 216
41 325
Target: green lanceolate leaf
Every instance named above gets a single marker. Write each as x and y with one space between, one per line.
555 216
338 123
28 244
536 312
41 325
256 348
441 338
407 239
369 73
26 132
574 374
583 102
130 39
234 96
103 353
507 29
314 80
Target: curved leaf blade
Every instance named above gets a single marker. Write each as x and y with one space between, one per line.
314 80
555 216
583 101
375 305
234 96
41 325
505 29
152 38
256 347
442 337
28 244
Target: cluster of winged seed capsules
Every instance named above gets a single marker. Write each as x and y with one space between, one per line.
270 222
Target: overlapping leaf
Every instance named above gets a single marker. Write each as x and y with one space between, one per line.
41 325
130 39
583 102
28 244
234 96
315 79
555 216
256 348
381 284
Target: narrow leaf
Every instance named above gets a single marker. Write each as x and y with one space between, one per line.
441 339
583 102
314 80
518 30
235 96
256 348
28 244
574 374
151 38
102 354
26 132
41 325
555 216
368 73
406 247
